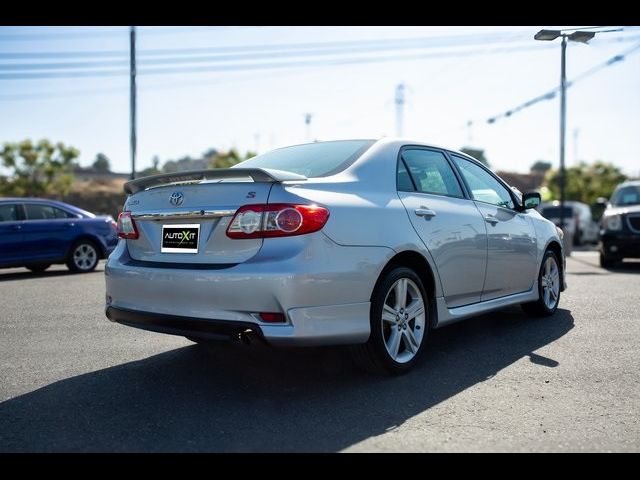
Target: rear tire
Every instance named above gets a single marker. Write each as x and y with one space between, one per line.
577 238
399 319
83 256
39 267
548 288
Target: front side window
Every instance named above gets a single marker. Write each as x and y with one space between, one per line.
430 171
44 212
8 212
484 186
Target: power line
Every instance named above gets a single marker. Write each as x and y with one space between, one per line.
219 57
253 66
552 93
445 40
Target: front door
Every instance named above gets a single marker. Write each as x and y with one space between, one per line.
48 231
450 225
11 237
512 250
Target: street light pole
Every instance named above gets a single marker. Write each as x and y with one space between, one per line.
577 35
563 124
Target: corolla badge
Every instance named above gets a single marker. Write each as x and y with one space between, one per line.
176 198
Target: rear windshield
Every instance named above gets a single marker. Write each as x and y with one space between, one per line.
626 196
312 159
554 212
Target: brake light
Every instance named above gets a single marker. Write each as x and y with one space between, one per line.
127 226
276 220
270 317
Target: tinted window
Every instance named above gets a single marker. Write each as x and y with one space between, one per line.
8 212
44 212
554 212
431 172
404 181
313 159
626 196
484 186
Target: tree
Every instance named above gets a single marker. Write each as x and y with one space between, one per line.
476 153
101 163
540 166
228 159
38 169
585 183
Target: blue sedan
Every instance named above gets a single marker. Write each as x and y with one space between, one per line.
36 233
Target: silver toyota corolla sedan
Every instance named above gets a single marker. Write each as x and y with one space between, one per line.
360 242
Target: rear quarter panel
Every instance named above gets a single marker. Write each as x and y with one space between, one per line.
365 209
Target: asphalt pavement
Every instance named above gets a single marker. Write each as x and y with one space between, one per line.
70 380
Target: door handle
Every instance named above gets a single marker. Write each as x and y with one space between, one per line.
16 227
491 219
424 212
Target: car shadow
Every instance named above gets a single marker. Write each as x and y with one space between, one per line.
625 266
29 275
236 398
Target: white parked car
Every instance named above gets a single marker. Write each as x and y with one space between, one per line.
578 221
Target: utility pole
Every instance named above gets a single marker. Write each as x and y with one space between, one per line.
399 101
307 123
132 98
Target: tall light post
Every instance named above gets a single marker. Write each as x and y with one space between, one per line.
575 36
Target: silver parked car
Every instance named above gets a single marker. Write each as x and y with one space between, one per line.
361 242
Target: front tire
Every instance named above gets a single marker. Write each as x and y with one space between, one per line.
399 319
607 262
548 288
83 257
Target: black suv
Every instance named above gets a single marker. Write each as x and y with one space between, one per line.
620 233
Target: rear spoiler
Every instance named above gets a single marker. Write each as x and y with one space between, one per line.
263 175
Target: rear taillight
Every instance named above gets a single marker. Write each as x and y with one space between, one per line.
276 220
126 226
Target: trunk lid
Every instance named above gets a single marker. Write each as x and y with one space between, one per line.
207 206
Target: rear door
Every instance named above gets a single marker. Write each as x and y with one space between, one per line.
11 237
449 224
198 213
48 230
512 249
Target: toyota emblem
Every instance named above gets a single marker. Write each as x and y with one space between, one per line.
176 198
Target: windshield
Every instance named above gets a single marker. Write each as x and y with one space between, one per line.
312 159
626 196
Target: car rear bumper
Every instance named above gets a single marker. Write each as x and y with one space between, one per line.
322 288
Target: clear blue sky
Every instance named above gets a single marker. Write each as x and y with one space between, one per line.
452 74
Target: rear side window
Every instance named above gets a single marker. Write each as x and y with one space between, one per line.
430 171
319 159
45 212
8 212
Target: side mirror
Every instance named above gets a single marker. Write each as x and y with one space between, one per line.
531 200
602 201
